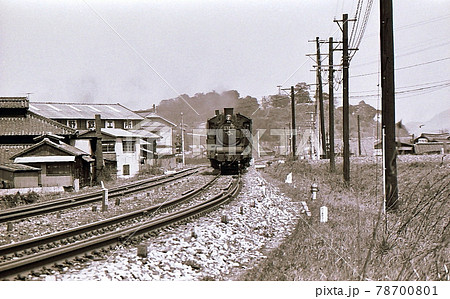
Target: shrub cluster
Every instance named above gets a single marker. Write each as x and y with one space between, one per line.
13 200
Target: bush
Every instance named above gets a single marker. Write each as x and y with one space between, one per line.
14 200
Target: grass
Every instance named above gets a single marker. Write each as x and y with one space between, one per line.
359 241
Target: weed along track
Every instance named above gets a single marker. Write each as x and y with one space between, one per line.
96 238
74 201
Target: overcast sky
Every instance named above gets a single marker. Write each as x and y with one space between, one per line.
138 53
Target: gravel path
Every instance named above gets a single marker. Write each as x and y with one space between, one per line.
207 248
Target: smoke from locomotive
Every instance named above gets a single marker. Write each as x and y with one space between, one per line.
229 136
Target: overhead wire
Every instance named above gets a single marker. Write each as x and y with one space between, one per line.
419 90
404 67
356 23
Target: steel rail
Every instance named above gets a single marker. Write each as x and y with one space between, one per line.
74 201
13 268
89 228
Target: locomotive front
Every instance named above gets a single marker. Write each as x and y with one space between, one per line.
229 141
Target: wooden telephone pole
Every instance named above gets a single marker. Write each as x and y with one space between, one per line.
388 104
345 104
345 96
320 95
294 129
331 103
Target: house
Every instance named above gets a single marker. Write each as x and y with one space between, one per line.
81 116
124 151
432 143
19 126
162 127
61 164
124 144
39 148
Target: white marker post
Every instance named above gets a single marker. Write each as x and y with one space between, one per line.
289 179
323 214
314 190
104 198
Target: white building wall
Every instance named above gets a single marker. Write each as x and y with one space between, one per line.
164 146
127 158
82 144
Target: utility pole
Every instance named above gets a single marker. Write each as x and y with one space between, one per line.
294 129
359 137
331 103
388 103
98 149
345 104
321 110
257 144
182 140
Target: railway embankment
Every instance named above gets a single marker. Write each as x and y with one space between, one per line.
359 241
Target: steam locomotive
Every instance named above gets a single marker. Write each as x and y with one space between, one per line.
229 136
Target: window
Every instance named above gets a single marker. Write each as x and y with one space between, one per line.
422 140
58 169
127 124
72 123
126 169
110 124
108 146
90 124
128 146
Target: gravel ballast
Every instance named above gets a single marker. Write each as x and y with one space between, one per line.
57 221
218 246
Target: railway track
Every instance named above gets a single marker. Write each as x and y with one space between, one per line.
74 201
79 241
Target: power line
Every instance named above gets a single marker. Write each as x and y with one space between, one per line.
406 53
405 87
405 92
404 67
423 22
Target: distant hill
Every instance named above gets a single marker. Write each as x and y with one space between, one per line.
439 123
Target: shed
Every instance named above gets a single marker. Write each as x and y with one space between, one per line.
429 148
61 164
19 176
402 148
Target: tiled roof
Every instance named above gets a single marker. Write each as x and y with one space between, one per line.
152 115
435 137
9 150
83 111
13 167
147 134
13 102
32 124
71 150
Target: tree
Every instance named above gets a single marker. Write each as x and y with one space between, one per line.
301 93
279 101
247 106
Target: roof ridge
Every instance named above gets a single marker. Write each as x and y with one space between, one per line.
72 103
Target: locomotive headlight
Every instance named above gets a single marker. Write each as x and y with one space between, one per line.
228 117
